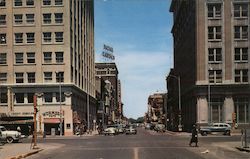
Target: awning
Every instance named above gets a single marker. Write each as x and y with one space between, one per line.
51 120
17 122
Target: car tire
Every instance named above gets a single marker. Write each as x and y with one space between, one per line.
9 140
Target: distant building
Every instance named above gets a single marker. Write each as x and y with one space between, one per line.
109 73
156 111
211 57
45 45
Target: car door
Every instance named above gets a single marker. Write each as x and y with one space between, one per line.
215 128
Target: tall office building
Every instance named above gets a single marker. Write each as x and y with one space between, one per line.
211 57
47 49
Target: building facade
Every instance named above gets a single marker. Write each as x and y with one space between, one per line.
109 72
211 57
47 49
156 109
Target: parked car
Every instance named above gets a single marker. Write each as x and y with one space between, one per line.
159 128
216 127
110 130
131 130
9 136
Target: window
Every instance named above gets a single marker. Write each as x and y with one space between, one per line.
2 3
47 57
29 2
48 97
47 76
3 39
3 58
59 76
241 10
19 78
18 3
214 55
58 2
241 32
31 57
47 18
47 37
19 97
18 38
46 2
2 19
3 98
215 110
3 77
19 57
241 76
241 107
214 33
31 77
18 18
30 18
214 10
215 76
30 97
30 37
58 97
59 17
59 36
59 57
241 54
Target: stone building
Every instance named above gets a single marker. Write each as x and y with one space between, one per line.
47 49
211 57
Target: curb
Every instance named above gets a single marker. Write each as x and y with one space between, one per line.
26 155
243 149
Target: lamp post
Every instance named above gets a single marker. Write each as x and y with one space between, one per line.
209 93
179 94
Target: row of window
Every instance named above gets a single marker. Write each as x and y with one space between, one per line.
31 59
28 97
30 38
19 3
240 54
240 76
31 77
240 32
215 10
30 18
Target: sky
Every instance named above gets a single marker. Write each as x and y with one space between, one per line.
140 33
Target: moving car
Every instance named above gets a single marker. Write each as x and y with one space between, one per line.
110 130
216 127
130 130
159 128
9 136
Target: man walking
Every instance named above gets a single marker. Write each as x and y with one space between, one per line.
194 138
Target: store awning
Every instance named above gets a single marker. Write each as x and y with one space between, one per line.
17 122
51 120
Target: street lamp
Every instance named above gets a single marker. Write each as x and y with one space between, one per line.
209 93
179 92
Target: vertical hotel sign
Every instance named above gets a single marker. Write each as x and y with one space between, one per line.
107 53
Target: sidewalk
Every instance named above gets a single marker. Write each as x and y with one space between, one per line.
22 150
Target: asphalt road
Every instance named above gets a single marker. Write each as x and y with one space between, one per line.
144 145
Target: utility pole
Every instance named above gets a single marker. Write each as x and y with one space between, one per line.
35 124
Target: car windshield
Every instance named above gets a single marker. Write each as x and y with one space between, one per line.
3 129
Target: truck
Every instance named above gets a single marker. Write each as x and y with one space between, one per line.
9 136
216 128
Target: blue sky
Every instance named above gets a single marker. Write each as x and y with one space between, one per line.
140 33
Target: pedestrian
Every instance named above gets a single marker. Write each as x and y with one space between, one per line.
194 138
18 129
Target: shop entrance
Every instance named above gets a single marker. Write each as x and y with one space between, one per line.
52 126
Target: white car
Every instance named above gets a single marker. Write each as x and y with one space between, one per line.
110 131
9 136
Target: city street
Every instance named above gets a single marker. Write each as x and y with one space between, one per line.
144 145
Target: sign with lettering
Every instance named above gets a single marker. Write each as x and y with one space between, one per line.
52 114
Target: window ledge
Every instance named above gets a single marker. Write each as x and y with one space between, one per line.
3 64
214 40
240 39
